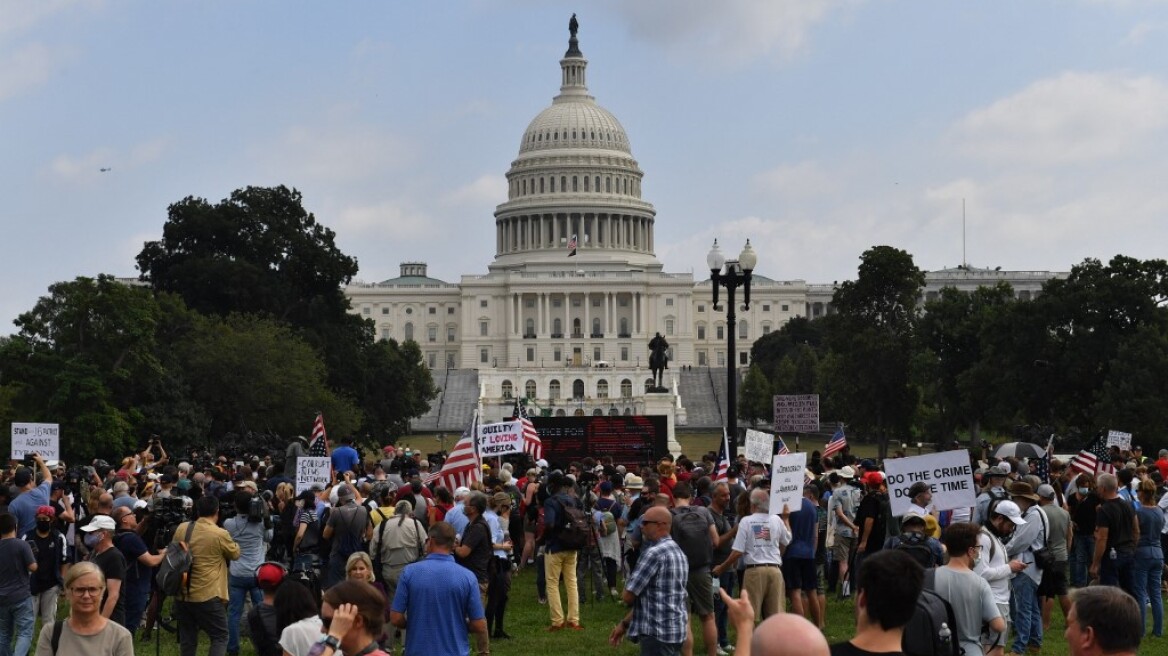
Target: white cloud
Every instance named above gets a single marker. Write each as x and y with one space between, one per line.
1138 35
488 190
26 68
337 152
804 179
1074 118
386 220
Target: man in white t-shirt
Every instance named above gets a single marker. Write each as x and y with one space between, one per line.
995 566
761 539
969 594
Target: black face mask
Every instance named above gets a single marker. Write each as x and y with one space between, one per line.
44 524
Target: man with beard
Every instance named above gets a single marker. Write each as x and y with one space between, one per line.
996 567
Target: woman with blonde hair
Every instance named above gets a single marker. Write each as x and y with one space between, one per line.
85 631
359 567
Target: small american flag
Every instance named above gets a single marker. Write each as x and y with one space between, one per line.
572 246
462 466
318 447
532 445
836 443
1041 466
783 450
1095 458
723 464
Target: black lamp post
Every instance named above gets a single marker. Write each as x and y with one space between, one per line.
732 274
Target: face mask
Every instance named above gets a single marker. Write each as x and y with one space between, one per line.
44 524
976 561
92 540
1083 491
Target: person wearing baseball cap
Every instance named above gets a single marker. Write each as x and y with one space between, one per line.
870 518
265 630
49 547
99 539
994 490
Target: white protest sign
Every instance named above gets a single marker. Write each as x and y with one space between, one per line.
42 439
1120 439
797 413
948 474
313 470
787 482
500 438
760 446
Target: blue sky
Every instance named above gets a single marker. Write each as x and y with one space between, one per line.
815 128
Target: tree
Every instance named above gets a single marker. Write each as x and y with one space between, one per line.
755 401
1132 396
770 349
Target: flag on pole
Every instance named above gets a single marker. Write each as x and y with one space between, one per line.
723 463
572 246
1041 466
532 445
836 443
1094 458
783 450
318 446
462 466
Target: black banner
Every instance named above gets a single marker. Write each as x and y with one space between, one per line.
631 441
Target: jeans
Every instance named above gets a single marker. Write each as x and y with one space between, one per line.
136 600
557 565
1149 567
195 616
16 620
1081 554
721 613
588 562
651 646
240 587
1119 571
1027 613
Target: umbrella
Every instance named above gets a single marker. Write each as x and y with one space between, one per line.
1019 450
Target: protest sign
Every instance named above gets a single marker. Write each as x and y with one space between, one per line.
42 439
948 474
500 438
797 413
787 482
760 446
313 470
1120 439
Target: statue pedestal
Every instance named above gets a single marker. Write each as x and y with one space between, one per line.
665 404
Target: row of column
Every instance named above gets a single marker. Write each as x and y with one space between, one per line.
543 318
520 233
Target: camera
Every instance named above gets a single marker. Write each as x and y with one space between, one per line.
29 460
257 507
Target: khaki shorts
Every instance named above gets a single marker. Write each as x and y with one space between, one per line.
700 590
842 549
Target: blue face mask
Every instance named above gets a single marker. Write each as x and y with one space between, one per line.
92 540
1083 491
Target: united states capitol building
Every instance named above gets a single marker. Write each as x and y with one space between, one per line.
571 333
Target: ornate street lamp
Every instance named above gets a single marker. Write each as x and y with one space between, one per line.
732 274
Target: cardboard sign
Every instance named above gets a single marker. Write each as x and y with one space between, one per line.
42 439
948 474
798 413
313 470
787 476
500 439
1116 438
760 446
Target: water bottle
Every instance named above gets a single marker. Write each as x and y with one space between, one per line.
716 583
1111 554
945 634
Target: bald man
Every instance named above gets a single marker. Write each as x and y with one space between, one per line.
787 634
656 590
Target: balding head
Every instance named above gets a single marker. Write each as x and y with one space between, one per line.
656 523
760 500
785 634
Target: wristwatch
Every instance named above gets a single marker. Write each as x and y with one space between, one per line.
333 642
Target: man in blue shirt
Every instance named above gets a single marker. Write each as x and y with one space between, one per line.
799 572
437 602
656 591
345 458
31 496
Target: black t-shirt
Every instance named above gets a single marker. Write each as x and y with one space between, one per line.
132 547
1117 516
848 649
1083 512
477 536
113 565
870 506
49 552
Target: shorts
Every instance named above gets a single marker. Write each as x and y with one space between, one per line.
1054 581
799 574
993 638
700 590
842 549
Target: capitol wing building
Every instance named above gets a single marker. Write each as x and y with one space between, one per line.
571 332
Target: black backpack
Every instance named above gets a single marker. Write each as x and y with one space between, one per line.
691 532
174 572
917 547
932 631
574 527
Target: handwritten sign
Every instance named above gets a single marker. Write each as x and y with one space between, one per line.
311 471
42 439
948 474
797 413
1120 439
787 476
760 446
500 439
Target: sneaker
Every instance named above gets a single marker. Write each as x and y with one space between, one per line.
543 601
722 652
615 594
727 648
574 626
555 627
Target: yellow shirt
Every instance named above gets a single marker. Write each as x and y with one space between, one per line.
211 547
386 511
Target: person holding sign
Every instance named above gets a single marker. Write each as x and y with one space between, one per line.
761 538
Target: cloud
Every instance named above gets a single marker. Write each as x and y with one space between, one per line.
804 180
1074 118
488 189
1138 35
26 68
87 167
339 151
386 220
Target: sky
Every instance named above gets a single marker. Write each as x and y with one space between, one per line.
815 128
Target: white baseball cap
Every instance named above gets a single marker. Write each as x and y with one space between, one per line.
1011 511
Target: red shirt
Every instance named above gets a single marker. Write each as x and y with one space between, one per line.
1162 465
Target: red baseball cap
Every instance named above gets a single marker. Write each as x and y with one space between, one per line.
269 575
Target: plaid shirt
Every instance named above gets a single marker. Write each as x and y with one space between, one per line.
659 581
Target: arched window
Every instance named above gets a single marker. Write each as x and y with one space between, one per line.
576 329
525 187
597 185
597 412
742 329
541 185
529 329
649 384
508 390
595 326
563 183
626 388
602 389
579 412
613 412
409 332
575 183
554 390
628 411
585 183
552 181
561 413
669 326
577 389
608 184
529 389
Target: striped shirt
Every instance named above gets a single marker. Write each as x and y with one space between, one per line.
659 581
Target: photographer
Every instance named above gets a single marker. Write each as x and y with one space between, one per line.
140 564
32 495
199 605
251 528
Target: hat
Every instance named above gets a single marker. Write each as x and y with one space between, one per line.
140 503
344 493
868 463
250 485
912 517
873 478
425 464
486 467
60 485
634 482
541 463
606 487
100 523
847 472
269 575
1000 469
1010 510
46 510
1045 491
388 449
317 487
1018 489
460 492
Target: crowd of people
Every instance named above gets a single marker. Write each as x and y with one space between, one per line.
386 559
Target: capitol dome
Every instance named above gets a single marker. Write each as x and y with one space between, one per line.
576 123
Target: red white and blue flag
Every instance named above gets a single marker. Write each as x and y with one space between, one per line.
462 466
1096 457
723 464
318 446
572 246
836 444
783 450
532 445
1040 467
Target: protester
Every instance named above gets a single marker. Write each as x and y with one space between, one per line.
724 523
915 541
306 543
474 548
140 564
1116 534
871 517
800 575
438 602
85 631
252 535
1054 578
297 618
1149 565
397 542
886 593
841 511
353 616
1103 621
788 635
348 528
995 566
99 539
48 545
200 604
968 594
993 491
656 591
761 537
560 560
30 495
499 570
16 606
262 622
1083 504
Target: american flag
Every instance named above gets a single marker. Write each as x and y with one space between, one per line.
723 464
318 446
462 466
836 443
572 246
532 445
1040 467
783 450
1095 458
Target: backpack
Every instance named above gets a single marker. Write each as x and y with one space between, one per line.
995 499
932 630
348 542
691 532
917 547
174 572
574 529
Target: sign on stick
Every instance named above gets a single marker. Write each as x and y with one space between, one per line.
948 474
500 438
796 413
760 446
787 476
42 439
1120 439
313 470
